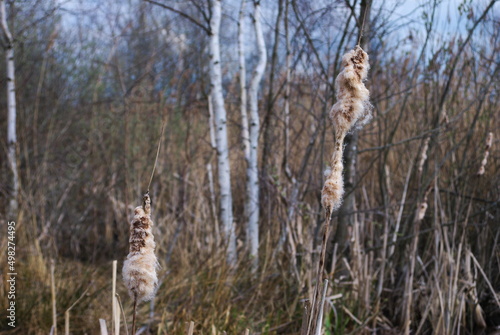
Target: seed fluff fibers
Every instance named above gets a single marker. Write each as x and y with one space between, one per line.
353 109
139 269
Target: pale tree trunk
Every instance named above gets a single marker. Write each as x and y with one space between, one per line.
288 62
346 211
213 143
252 169
224 172
11 110
243 86
295 186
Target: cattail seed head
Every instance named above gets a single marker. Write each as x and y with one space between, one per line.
489 142
139 269
333 189
352 109
423 156
353 104
422 208
332 193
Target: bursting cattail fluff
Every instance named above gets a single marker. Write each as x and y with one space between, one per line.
423 156
139 269
352 109
489 141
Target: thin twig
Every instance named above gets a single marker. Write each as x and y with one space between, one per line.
66 314
157 153
485 278
361 30
207 30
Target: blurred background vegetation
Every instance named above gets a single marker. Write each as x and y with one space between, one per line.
95 80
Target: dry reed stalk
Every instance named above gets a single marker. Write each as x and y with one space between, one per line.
478 313
113 302
305 318
53 294
408 291
67 313
66 322
139 269
485 277
190 328
322 307
400 212
123 312
104 328
117 318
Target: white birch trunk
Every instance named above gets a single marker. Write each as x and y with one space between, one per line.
243 85
11 110
287 89
252 170
224 173
211 121
295 186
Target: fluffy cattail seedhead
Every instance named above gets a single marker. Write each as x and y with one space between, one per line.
422 208
353 108
423 156
139 269
353 105
489 142
333 189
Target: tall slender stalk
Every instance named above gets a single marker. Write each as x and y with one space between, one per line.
134 314
53 294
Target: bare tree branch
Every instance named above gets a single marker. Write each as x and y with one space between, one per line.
193 20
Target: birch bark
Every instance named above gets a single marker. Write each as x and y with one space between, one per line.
243 86
252 169
224 172
295 185
11 110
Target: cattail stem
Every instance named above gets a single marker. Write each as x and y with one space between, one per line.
134 315
321 308
318 303
326 233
